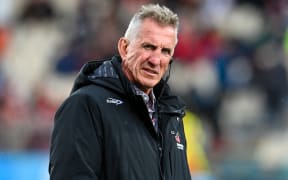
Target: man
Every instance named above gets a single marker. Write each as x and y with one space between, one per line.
120 121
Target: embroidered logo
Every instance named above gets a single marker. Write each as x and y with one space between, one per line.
177 138
114 101
178 142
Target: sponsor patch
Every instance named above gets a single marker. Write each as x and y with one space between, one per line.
180 146
114 101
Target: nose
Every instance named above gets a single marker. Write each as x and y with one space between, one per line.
155 61
155 58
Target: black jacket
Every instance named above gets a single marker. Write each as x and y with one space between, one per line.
103 132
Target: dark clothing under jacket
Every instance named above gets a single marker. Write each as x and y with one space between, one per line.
103 131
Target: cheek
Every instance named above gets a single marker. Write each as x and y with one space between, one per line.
132 64
164 68
134 61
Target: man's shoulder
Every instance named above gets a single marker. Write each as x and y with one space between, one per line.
88 90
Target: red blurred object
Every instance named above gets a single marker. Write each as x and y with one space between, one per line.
4 39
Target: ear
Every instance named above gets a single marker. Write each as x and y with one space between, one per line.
122 47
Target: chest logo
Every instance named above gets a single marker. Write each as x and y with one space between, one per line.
114 101
177 138
178 142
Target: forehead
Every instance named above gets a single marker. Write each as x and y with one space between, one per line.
158 34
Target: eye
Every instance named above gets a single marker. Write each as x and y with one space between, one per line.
166 51
149 46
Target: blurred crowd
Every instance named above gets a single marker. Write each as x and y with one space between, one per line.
230 67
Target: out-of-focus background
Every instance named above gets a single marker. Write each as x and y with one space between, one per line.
230 67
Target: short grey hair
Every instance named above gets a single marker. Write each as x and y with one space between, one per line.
160 14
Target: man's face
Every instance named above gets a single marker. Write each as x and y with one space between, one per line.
147 56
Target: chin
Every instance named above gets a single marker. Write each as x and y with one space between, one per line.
150 84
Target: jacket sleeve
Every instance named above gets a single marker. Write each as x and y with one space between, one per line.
186 169
76 143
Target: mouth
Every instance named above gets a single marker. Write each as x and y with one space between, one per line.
150 72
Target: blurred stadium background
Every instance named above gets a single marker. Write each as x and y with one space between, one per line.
230 68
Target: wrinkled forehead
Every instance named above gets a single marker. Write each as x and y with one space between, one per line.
153 30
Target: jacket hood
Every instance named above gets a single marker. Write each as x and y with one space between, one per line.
99 72
108 74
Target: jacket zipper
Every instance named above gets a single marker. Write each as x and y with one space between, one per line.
160 151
